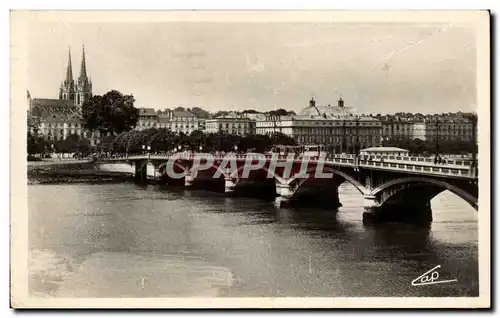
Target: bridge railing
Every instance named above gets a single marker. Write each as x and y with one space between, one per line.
333 157
397 163
422 168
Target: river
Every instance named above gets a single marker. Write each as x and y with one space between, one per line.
126 240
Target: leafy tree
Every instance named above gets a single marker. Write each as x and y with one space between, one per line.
281 112
134 141
220 113
84 146
282 139
119 144
35 144
249 111
161 140
111 113
70 144
199 112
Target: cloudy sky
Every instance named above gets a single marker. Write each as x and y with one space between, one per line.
374 67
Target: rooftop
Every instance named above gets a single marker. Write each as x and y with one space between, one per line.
49 102
182 113
147 112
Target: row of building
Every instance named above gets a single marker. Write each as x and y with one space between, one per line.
318 124
338 125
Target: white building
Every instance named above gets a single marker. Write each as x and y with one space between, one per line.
175 120
230 124
180 121
147 119
338 127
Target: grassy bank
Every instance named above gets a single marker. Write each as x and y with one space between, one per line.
71 172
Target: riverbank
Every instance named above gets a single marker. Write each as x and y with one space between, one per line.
75 171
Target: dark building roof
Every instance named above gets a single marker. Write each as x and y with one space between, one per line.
55 110
182 113
147 112
163 118
52 102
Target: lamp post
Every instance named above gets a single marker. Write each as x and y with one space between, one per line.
236 148
179 148
143 148
343 145
473 121
357 136
437 137
392 127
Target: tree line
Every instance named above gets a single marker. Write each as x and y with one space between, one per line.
163 140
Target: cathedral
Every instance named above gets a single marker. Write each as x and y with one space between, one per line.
55 119
82 90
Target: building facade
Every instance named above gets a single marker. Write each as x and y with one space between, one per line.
338 127
177 121
230 124
182 121
395 127
147 119
56 119
445 129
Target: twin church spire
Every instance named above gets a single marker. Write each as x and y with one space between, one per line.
82 90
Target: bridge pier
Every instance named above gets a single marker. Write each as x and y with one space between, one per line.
140 172
413 210
284 193
188 179
371 208
229 185
150 172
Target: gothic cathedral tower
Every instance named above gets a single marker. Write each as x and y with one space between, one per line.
67 90
80 92
83 84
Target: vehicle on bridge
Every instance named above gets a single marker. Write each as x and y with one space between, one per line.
384 151
305 150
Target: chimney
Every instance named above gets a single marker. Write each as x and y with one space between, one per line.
341 102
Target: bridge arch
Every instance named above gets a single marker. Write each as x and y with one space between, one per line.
412 181
310 172
162 167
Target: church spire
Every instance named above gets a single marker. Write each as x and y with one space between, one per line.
83 67
83 85
69 70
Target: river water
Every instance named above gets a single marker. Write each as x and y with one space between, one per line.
126 240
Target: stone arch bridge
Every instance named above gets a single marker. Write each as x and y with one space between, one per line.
393 188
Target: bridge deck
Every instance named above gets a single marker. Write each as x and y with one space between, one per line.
413 165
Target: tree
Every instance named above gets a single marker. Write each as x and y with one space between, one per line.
35 144
282 139
162 140
220 113
111 113
199 112
281 112
119 144
249 111
70 144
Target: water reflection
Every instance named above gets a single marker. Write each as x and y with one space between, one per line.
147 241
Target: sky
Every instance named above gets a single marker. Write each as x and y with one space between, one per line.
375 68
